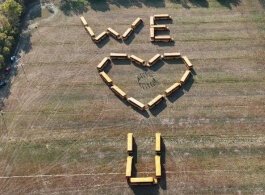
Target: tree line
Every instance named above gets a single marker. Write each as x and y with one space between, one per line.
10 16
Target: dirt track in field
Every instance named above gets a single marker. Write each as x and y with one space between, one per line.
64 131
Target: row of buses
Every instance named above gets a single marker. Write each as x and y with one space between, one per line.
159 98
159 27
110 31
129 164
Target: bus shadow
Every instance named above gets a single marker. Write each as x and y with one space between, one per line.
163 180
159 64
156 110
129 39
121 61
103 42
142 190
165 44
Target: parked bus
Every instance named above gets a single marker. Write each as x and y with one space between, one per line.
143 181
185 76
137 60
162 16
106 78
118 56
103 63
172 88
136 23
127 33
155 101
129 167
160 27
152 21
114 33
136 103
171 55
154 59
152 34
90 31
130 143
118 91
163 38
83 20
158 166
187 62
158 143
101 36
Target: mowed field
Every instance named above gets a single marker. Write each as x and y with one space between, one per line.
64 131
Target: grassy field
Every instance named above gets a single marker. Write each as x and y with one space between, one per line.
64 131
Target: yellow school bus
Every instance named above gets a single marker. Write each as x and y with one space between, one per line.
185 76
83 20
155 101
187 62
154 59
162 16
152 21
129 143
172 88
114 33
171 55
152 34
106 78
118 56
103 63
137 60
101 36
143 181
118 91
158 143
129 167
136 103
160 27
127 33
136 23
163 38
158 166
90 31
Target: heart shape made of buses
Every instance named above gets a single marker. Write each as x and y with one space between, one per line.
160 97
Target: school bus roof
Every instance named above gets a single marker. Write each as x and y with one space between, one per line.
156 100
135 58
83 20
90 31
172 88
154 59
158 165
136 103
152 32
152 22
103 63
129 166
113 32
171 55
163 37
118 55
105 77
129 142
162 16
142 180
158 142
101 35
185 76
136 22
118 91
187 61
127 32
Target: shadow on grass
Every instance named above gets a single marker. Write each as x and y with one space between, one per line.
70 7
24 45
262 2
229 3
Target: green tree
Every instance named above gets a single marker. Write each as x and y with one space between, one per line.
12 10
